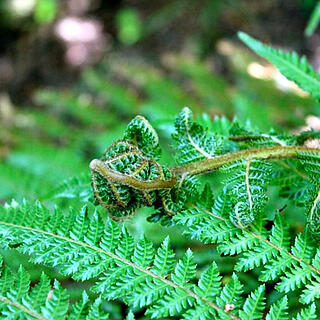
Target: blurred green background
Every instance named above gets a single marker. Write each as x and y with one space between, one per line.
74 72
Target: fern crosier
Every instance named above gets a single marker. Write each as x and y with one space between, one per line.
129 175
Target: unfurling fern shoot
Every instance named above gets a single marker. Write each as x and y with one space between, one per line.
129 175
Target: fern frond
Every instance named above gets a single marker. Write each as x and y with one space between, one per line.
85 310
247 189
293 266
279 310
193 142
140 132
313 21
307 314
130 316
289 64
87 248
311 199
126 178
19 301
77 187
254 305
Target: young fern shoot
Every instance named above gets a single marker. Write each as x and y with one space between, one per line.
129 175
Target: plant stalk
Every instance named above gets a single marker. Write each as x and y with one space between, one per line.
202 166
212 164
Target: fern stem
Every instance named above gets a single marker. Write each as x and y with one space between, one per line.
126 262
22 308
259 237
212 164
200 167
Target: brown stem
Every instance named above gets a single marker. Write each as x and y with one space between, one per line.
203 166
278 152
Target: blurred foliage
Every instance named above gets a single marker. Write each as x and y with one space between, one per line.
129 26
45 11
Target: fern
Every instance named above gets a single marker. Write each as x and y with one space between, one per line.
144 278
293 267
192 141
247 189
126 178
289 64
19 301
236 219
313 21
257 169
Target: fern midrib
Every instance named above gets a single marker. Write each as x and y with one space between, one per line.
196 147
314 205
124 261
259 237
248 166
22 308
295 170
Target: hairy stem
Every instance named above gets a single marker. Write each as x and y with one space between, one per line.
212 164
200 167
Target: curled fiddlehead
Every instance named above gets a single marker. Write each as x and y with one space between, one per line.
129 176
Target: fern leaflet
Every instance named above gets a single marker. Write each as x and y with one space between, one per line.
289 64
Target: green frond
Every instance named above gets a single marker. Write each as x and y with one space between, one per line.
263 252
253 138
192 141
18 300
307 313
164 259
246 187
85 310
124 269
312 196
231 295
290 65
293 267
185 269
57 304
210 282
141 133
313 21
77 187
294 278
279 310
130 316
93 249
127 178
254 305
311 292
